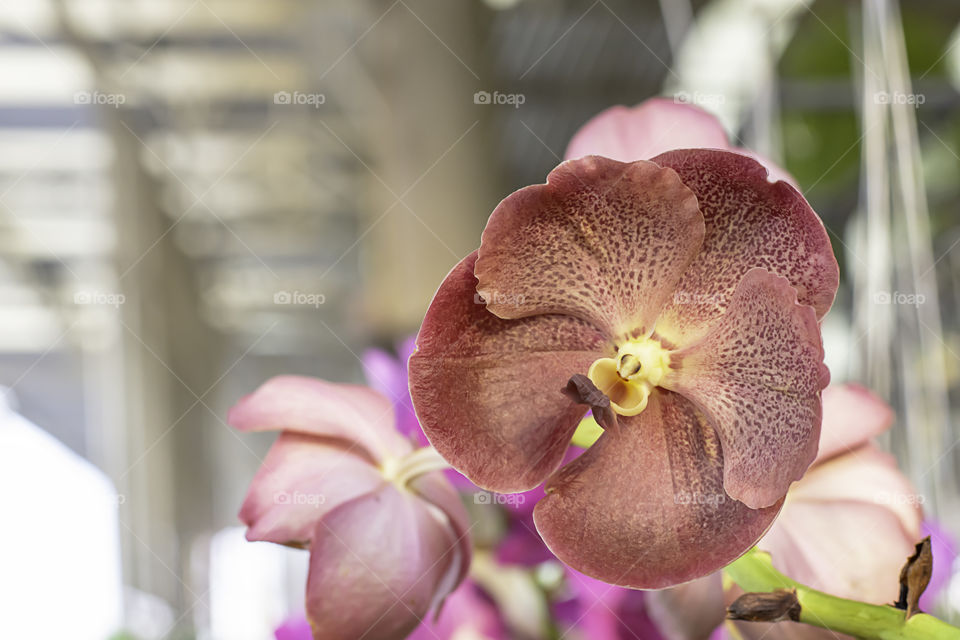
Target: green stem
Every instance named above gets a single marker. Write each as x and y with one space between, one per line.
754 572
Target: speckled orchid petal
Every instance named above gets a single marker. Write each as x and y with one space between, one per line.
646 130
377 565
645 508
602 240
757 375
487 391
851 416
750 223
303 478
317 407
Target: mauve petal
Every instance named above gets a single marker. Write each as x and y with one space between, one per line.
851 416
850 549
487 391
317 407
602 240
750 223
435 489
757 375
303 478
866 475
646 130
691 611
645 507
466 615
377 567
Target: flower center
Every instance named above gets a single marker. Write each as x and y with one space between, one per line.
629 378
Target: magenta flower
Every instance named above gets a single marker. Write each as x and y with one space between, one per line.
688 289
387 536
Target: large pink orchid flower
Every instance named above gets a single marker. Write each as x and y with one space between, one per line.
387 537
688 288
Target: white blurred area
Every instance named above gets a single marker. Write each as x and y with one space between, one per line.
253 586
60 539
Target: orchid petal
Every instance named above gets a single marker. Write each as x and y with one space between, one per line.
848 526
654 127
757 375
646 130
689 611
866 475
466 614
849 549
303 478
602 241
317 407
851 416
487 391
645 508
436 490
750 223
376 567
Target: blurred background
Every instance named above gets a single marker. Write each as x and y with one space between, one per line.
196 195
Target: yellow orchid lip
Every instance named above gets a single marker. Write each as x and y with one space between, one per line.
628 379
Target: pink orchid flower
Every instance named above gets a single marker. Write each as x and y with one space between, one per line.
387 537
688 288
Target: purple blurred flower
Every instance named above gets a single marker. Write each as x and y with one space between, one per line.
596 610
944 547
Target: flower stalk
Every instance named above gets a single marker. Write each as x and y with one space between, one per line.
754 572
